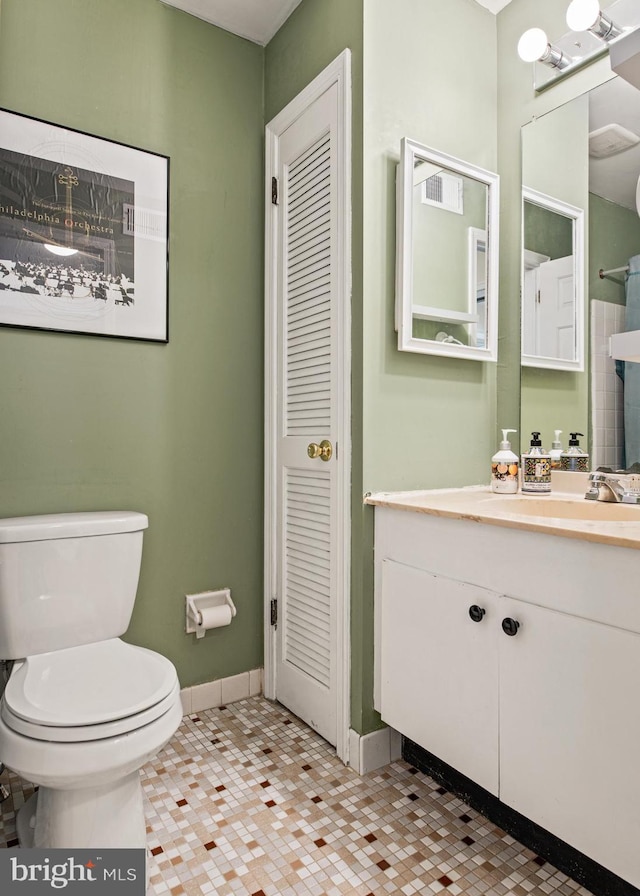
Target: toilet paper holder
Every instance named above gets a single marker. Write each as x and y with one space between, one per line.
196 606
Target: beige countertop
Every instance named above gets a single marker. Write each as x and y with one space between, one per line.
564 513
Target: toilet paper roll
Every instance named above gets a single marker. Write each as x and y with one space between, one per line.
215 617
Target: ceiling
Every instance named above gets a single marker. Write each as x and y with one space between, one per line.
258 20
494 5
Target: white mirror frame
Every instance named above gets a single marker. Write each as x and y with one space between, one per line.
405 309
577 216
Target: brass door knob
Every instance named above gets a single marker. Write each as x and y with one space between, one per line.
324 450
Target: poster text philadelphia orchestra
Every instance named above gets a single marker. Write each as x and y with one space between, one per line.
51 218
65 231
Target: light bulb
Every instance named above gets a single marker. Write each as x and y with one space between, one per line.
585 15
582 14
532 45
60 250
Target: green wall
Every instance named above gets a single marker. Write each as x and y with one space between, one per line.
172 430
428 421
614 236
547 232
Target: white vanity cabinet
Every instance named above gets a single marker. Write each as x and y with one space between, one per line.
570 732
548 718
439 669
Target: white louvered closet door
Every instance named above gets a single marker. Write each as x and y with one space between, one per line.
308 379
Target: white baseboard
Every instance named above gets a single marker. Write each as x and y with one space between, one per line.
221 691
368 752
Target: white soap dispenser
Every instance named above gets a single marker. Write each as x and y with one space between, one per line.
504 468
556 450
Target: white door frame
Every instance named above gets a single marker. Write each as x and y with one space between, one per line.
339 73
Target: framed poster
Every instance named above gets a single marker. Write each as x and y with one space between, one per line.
83 232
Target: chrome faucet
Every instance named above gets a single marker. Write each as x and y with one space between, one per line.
614 487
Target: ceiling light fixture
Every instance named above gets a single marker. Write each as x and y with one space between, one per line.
534 46
586 15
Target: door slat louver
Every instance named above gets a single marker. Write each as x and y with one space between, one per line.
302 316
308 348
307 292
306 159
312 230
307 568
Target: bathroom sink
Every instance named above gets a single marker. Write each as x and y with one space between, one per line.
564 508
565 512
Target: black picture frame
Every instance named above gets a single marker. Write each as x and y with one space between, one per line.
84 232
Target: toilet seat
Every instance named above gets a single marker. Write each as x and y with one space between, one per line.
78 733
88 692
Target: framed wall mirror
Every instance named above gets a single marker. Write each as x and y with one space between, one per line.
447 255
552 283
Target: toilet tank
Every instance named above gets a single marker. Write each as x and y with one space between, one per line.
67 579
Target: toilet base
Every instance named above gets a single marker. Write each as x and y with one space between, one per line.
26 820
106 817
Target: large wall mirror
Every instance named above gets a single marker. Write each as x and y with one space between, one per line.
447 255
583 156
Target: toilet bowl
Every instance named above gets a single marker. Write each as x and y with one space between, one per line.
80 723
82 710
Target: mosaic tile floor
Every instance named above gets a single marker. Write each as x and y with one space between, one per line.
247 801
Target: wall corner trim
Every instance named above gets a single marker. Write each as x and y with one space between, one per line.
369 752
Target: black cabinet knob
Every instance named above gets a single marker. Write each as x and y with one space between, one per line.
476 613
510 626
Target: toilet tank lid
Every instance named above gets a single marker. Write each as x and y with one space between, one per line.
48 527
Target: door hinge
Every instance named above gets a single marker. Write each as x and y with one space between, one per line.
274 190
274 611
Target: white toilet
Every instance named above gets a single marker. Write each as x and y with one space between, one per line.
82 710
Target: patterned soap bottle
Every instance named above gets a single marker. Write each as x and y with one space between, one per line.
574 459
536 469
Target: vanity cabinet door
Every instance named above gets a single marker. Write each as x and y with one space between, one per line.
570 730
439 668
